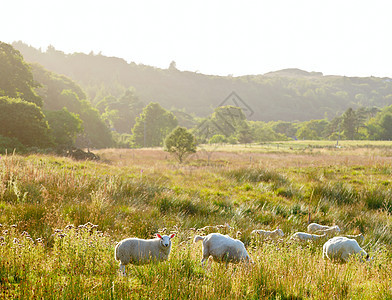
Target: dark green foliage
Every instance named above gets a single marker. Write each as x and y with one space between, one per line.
24 121
349 123
58 91
16 80
121 113
8 145
96 133
64 127
152 126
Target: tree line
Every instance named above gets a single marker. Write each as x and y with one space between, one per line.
44 110
287 95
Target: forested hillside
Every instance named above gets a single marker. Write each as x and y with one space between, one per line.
286 95
43 110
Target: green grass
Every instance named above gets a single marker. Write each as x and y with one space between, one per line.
41 195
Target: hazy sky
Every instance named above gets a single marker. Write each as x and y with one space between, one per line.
342 37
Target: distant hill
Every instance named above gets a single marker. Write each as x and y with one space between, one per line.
286 95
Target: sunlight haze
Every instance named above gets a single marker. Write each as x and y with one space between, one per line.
349 37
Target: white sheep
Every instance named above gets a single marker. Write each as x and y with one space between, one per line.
313 227
222 248
139 251
340 248
304 237
269 234
333 230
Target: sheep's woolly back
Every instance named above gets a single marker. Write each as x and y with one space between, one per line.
303 236
223 248
341 248
140 251
329 231
313 227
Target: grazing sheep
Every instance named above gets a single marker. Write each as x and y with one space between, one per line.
304 237
222 248
139 251
313 227
340 248
333 230
269 234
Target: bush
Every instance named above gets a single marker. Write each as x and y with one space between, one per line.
9 145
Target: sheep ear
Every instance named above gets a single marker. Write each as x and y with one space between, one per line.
172 235
158 235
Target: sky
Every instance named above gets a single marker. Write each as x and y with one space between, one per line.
335 37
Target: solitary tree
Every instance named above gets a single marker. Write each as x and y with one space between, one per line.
180 142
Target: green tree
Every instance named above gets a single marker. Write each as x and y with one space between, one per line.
313 129
286 128
349 123
386 126
58 91
96 133
180 142
152 126
244 134
16 79
227 120
121 113
24 121
64 127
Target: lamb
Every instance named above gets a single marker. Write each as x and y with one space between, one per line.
340 248
304 237
269 234
139 251
222 248
313 227
333 230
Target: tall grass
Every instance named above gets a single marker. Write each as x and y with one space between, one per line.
42 195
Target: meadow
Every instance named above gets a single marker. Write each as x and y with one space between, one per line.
50 246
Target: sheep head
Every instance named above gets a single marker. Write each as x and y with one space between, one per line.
165 240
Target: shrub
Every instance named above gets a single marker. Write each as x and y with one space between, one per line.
9 145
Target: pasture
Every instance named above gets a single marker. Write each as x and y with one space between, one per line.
138 192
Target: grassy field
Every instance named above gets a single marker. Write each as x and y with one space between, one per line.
49 247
